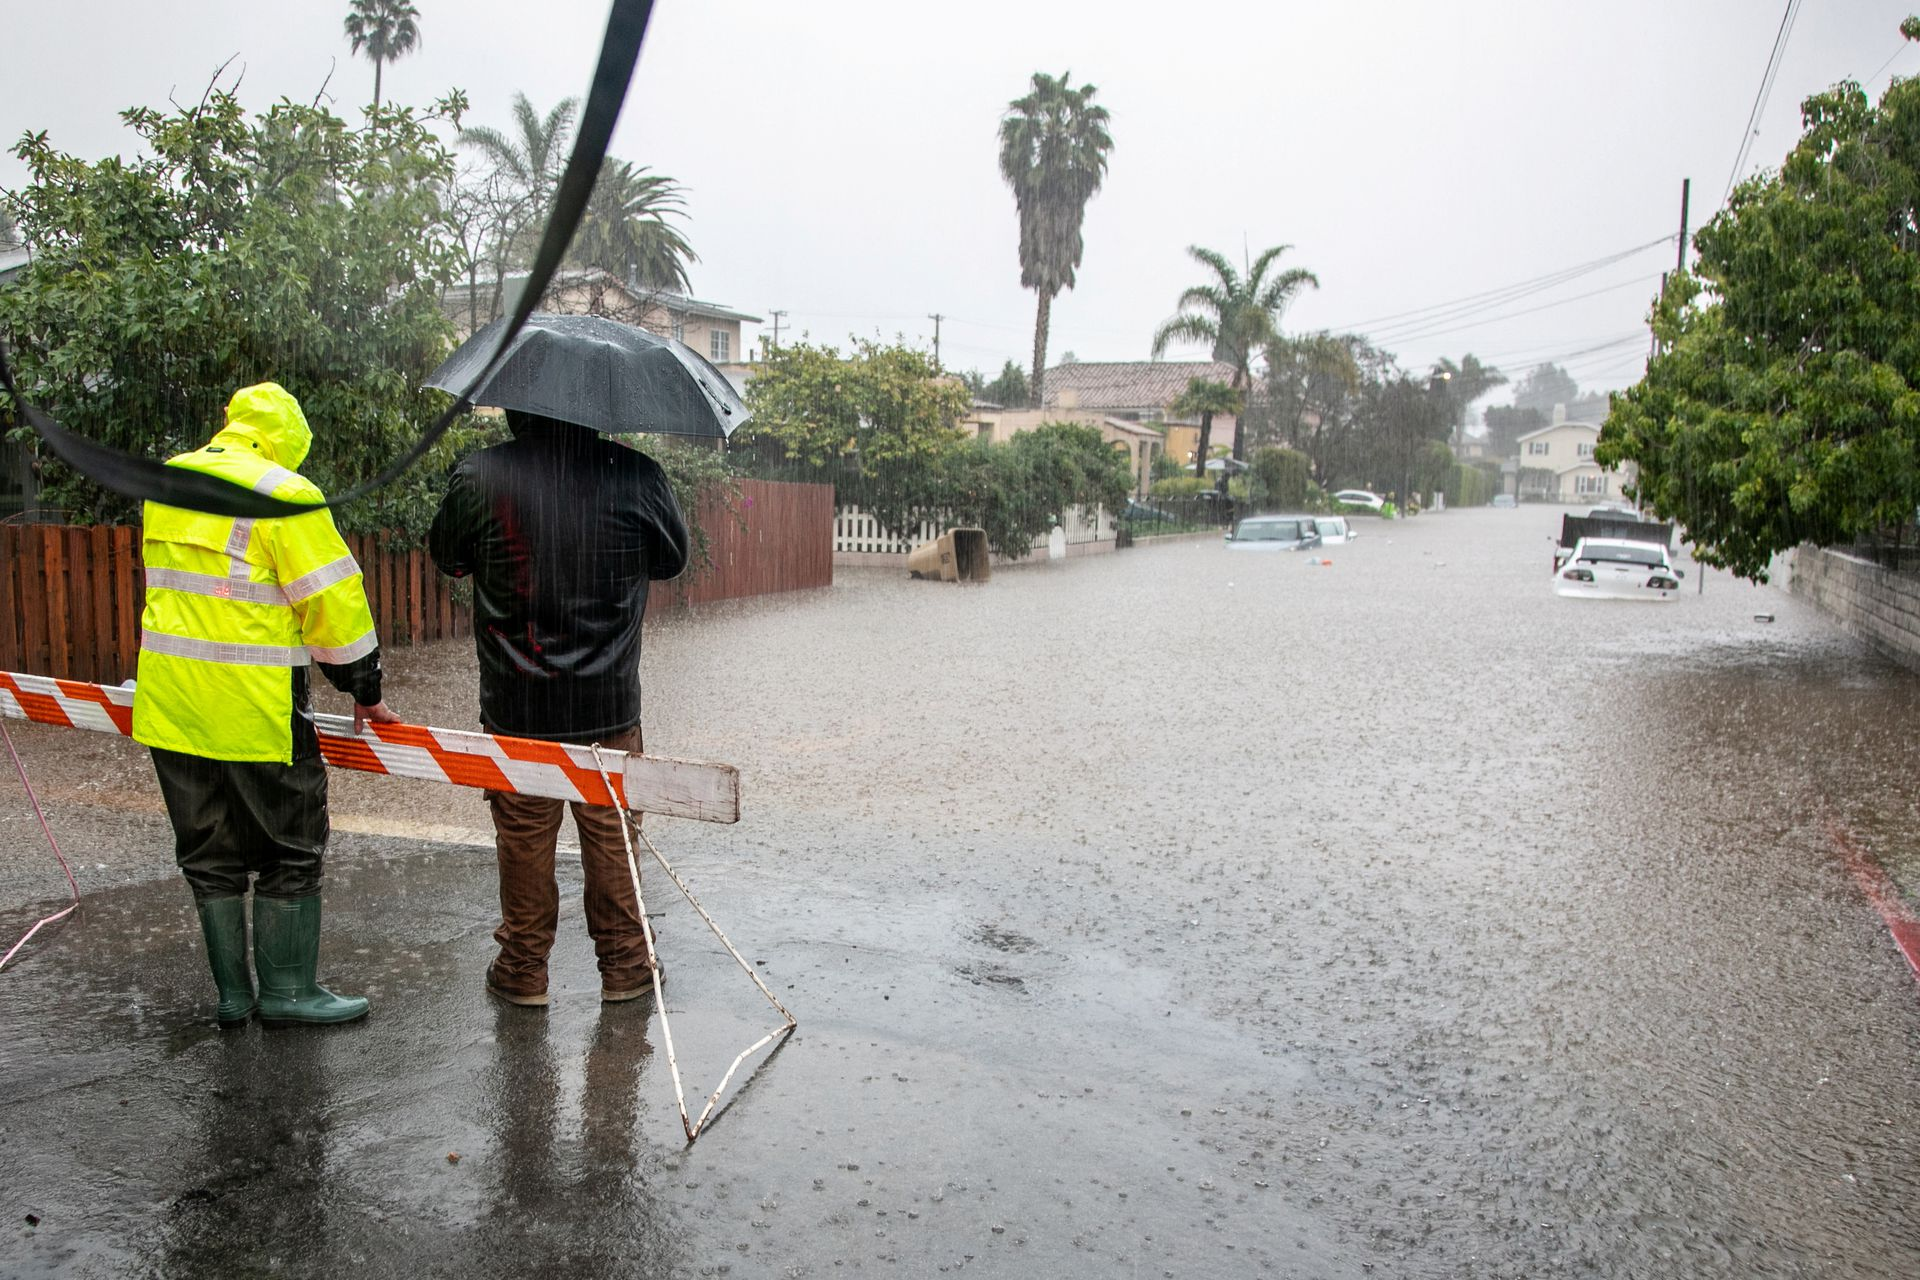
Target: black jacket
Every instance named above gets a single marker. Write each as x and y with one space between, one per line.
562 530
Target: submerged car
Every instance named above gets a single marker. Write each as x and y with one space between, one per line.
1616 569
1360 498
1334 530
1274 533
1504 501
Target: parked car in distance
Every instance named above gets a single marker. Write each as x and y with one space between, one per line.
1334 530
1504 501
1144 514
1274 533
1616 569
1614 511
1360 498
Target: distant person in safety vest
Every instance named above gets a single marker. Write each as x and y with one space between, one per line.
561 530
236 611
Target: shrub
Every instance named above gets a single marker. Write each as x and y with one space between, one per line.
1180 486
1280 478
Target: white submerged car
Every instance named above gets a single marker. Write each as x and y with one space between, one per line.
1616 569
1334 530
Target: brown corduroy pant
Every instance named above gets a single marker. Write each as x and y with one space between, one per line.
526 831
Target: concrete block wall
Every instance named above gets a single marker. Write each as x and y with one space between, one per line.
1881 606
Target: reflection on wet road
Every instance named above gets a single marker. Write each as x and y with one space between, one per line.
1167 913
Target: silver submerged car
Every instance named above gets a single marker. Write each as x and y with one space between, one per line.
1274 533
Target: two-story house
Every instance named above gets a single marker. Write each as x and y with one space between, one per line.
1556 463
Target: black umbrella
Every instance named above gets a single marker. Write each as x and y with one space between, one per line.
598 373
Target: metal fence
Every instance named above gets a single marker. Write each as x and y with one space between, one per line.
1146 517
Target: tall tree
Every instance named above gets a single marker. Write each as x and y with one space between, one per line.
1009 389
626 232
1506 424
1403 419
524 170
1783 403
1053 153
1465 383
1543 388
1204 398
228 247
386 29
1237 315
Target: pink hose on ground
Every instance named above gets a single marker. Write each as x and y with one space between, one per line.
55 844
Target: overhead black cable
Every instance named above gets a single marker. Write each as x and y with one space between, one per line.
150 480
1767 78
1417 335
1503 294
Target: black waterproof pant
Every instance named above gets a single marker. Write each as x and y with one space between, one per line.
234 818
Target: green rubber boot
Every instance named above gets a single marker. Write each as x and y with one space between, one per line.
286 951
223 921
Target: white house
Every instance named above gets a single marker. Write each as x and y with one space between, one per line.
1557 465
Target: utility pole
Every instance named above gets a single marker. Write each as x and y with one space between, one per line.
936 317
1686 189
777 317
1680 258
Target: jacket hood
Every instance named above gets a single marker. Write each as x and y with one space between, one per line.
268 418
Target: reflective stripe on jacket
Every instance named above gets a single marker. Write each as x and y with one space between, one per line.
233 605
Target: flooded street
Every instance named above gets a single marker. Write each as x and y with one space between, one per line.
1179 912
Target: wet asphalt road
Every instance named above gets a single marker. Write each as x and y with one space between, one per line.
1172 913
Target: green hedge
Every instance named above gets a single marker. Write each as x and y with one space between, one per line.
1469 486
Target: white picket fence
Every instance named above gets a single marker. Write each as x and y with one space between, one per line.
857 533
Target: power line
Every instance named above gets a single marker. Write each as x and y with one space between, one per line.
1498 296
1417 335
1767 78
1905 45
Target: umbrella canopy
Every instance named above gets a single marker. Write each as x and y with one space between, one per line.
597 373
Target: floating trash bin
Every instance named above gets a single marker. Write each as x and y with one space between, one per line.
958 555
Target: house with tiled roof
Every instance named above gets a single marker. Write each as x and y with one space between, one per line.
709 328
1141 391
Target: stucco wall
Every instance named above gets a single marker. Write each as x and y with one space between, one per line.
1881 606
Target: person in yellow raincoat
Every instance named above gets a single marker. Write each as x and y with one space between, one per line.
236 610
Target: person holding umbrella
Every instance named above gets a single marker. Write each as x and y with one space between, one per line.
563 531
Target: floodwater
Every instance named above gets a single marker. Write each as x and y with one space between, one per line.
1180 912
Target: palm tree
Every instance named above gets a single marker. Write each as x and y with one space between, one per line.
1236 316
533 159
1205 397
1465 383
526 171
386 29
1053 153
626 232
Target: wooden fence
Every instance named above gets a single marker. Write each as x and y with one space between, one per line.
71 596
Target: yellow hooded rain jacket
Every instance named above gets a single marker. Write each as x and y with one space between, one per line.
234 604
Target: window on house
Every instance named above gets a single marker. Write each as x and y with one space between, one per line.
1536 448
719 345
1588 486
679 331
1586 451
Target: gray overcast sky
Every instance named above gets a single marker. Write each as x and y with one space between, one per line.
840 156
